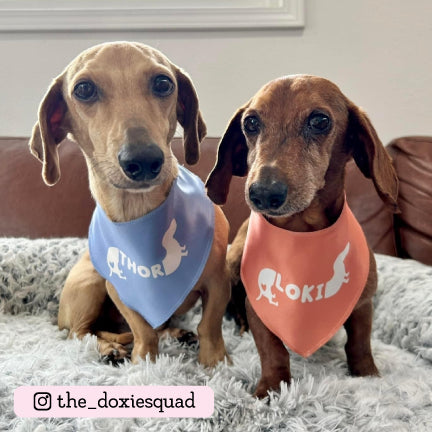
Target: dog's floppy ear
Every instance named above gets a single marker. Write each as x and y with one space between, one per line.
371 157
49 131
189 116
231 160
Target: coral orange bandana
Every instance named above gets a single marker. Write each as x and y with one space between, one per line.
304 285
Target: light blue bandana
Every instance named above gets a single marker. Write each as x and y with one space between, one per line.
154 261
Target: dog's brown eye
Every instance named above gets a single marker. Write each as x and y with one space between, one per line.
318 123
251 125
162 86
85 91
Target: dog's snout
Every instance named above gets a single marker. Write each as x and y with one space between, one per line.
140 162
268 196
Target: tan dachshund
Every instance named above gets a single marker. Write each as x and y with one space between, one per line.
292 141
120 102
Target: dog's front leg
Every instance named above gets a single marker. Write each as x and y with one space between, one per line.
215 290
214 297
359 327
146 339
275 362
358 349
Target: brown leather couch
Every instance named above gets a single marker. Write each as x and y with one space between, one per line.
32 209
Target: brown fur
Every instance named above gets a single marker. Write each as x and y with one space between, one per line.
126 110
312 167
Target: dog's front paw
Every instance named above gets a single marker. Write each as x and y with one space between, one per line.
143 349
212 361
272 382
211 354
363 367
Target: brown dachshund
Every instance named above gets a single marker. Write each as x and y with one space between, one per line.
292 140
120 102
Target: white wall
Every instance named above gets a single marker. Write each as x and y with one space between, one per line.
378 52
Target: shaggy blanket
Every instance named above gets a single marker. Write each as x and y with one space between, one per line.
322 397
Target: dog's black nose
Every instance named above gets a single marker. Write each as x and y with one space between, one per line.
268 196
141 162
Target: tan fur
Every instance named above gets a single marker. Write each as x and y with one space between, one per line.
127 110
312 167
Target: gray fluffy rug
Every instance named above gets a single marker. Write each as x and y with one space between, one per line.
322 396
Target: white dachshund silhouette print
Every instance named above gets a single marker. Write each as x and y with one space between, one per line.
175 251
113 260
266 279
340 275
269 279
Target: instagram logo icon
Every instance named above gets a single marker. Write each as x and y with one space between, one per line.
42 401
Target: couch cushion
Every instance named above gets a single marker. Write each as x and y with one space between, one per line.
374 216
412 158
32 209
